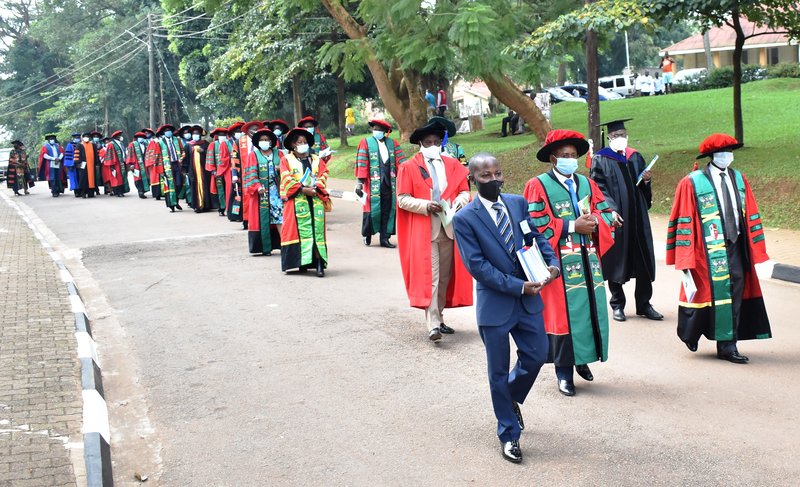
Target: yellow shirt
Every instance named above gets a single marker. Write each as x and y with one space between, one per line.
349 116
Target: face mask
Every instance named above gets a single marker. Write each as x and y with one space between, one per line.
723 159
187 136
310 130
277 132
51 141
238 135
149 136
222 138
618 144
95 140
264 144
121 139
432 152
301 148
140 140
490 189
195 137
75 141
86 139
168 133
566 165
378 134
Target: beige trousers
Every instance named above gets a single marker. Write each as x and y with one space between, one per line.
441 270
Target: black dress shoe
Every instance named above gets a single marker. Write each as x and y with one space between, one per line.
619 314
692 346
566 387
172 209
142 196
519 415
434 335
367 240
446 329
650 314
179 207
389 245
584 372
734 357
320 269
511 451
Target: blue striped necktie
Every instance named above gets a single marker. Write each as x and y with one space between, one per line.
504 226
575 206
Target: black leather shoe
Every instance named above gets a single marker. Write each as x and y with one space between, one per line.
650 314
519 415
142 196
446 329
566 387
584 372
511 451
179 207
389 245
435 335
172 209
734 357
367 240
320 269
619 314
692 346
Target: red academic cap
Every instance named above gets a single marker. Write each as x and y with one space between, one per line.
306 120
140 134
264 131
218 131
288 140
164 128
718 143
235 127
284 126
380 123
560 137
117 134
250 125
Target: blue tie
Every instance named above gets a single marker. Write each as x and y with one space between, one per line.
575 207
504 226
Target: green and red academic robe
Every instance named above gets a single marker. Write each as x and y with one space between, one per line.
320 145
414 234
229 165
245 148
575 312
220 169
263 172
695 243
167 173
114 168
135 162
369 169
303 239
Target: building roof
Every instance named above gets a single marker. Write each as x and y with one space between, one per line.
723 39
478 89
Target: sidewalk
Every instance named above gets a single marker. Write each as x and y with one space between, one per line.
40 392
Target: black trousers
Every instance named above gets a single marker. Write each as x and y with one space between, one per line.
643 292
509 122
440 111
736 268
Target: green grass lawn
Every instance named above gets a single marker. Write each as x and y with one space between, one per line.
672 127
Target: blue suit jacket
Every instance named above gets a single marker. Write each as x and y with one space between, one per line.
500 276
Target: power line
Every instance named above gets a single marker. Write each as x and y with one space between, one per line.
163 63
126 58
190 19
209 29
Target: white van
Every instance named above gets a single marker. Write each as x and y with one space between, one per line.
620 84
4 155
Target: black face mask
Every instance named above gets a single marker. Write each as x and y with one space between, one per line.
490 190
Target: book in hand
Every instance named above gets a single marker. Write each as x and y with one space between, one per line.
649 166
533 263
447 213
689 287
585 206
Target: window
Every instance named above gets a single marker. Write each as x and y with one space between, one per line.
773 55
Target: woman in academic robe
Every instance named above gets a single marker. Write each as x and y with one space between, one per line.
262 188
304 178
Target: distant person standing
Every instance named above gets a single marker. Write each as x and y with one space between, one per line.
19 173
349 119
658 85
441 102
667 68
648 85
431 103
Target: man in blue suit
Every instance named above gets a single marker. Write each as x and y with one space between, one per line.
488 232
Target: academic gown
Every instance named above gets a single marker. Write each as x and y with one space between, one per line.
200 179
380 184
696 242
616 176
265 211
87 162
575 312
69 165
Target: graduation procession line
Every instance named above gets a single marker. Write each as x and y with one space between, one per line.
95 430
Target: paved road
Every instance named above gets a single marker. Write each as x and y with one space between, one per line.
223 371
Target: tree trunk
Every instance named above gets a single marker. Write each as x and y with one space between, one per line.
593 102
404 108
738 124
707 48
562 74
297 99
340 105
504 90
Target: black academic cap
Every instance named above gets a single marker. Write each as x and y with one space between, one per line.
615 125
76 134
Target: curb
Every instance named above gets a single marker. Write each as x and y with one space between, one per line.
96 430
766 270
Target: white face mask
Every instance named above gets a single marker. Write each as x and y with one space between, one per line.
121 139
86 139
378 134
140 140
222 138
264 144
432 152
301 148
238 135
310 130
277 132
195 137
618 144
723 159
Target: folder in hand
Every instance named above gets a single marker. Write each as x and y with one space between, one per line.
533 263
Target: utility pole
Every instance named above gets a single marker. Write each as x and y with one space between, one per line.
151 95
161 91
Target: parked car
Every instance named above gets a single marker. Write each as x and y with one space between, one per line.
583 91
4 155
558 95
687 76
619 84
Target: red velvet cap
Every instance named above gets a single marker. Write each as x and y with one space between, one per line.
236 127
560 137
117 134
718 143
307 119
250 125
380 123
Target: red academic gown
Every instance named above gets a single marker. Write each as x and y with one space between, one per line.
112 166
414 234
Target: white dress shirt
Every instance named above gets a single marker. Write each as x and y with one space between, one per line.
717 180
488 205
383 150
562 179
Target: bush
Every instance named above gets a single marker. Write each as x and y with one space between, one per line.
784 70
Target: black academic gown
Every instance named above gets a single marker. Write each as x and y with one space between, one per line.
616 178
